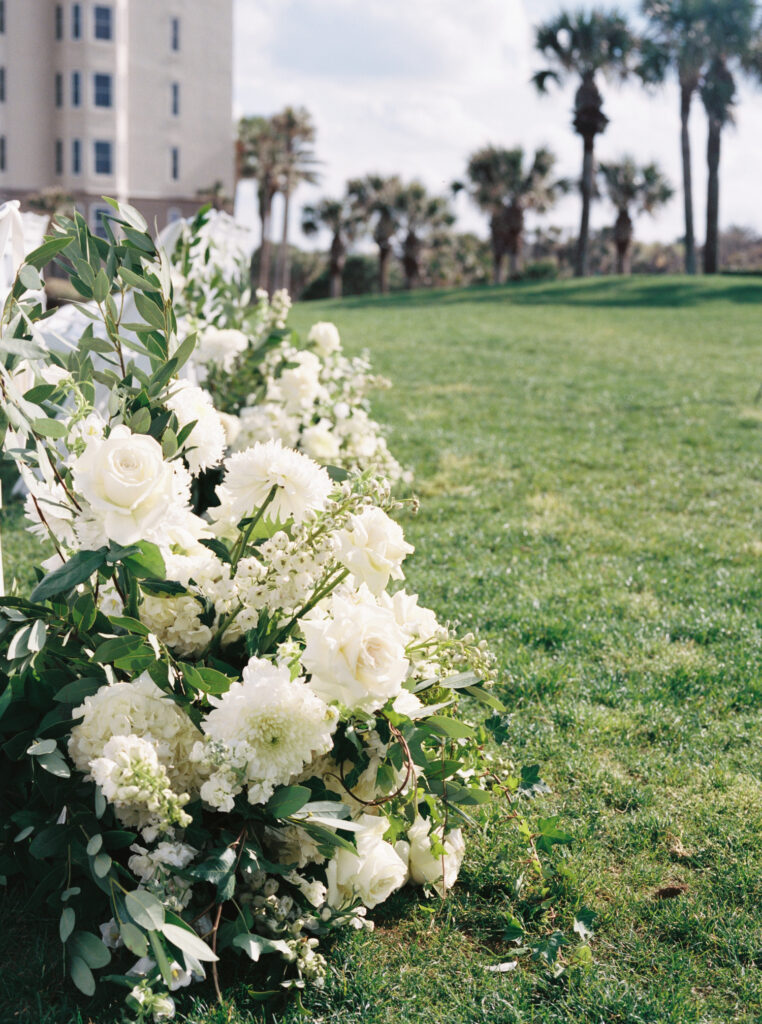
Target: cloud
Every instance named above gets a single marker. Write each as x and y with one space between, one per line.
413 88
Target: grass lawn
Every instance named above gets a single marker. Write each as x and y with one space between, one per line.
588 455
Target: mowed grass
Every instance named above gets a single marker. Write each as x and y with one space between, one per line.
588 458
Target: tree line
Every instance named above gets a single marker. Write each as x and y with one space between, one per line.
705 45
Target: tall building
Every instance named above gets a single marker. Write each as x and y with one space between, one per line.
130 99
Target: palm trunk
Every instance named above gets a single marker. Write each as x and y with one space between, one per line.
266 251
686 94
498 262
284 256
384 251
623 242
586 190
711 247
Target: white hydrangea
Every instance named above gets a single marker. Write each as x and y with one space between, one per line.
206 443
131 778
301 486
137 708
372 546
355 651
220 347
260 733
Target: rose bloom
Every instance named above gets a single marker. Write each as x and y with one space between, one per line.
371 874
126 482
325 337
221 347
372 547
355 652
426 866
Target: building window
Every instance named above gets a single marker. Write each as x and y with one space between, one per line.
59 89
2 152
175 34
76 21
102 90
59 156
76 156
2 85
2 17
59 21
175 99
104 157
98 214
175 163
103 24
76 89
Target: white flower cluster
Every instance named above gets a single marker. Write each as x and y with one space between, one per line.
316 399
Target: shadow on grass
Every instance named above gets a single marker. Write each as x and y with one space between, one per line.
612 292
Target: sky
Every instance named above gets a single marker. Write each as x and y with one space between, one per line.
414 86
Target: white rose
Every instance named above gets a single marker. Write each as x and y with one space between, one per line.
356 654
320 442
372 547
325 337
221 347
428 868
126 482
371 874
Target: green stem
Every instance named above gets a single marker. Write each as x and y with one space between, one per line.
243 540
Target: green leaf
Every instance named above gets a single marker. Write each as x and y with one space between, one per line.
151 312
50 428
101 865
550 835
133 939
188 942
94 845
160 955
102 286
30 278
255 945
82 976
207 680
119 648
145 910
140 423
130 624
75 693
287 800
147 562
448 726
45 253
90 948
78 569
66 923
42 747
55 763
584 920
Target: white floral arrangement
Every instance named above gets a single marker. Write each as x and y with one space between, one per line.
224 731
313 397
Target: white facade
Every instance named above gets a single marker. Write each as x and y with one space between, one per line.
127 98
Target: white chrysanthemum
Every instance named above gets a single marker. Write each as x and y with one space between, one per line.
372 547
261 733
355 651
220 347
325 337
131 778
206 443
128 486
301 486
136 708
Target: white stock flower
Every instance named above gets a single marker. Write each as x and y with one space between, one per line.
301 486
355 652
428 868
325 337
221 347
261 733
206 443
372 546
371 874
126 483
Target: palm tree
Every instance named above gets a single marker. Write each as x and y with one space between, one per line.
340 218
734 31
295 131
580 45
375 200
258 157
632 190
421 216
501 185
678 38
